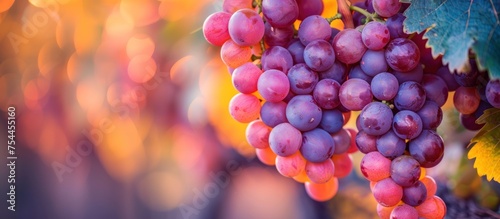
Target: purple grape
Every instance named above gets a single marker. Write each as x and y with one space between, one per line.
468 121
468 79
296 49
355 94
493 93
348 46
326 93
404 211
285 140
415 194
277 58
246 27
280 13
302 79
411 96
435 89
448 78
337 72
427 148
407 124
395 26
274 36
303 113
309 7
431 115
342 141
245 78
375 118
273 85
405 170
332 121
373 62
319 55
414 75
366 143
375 35
402 54
384 86
317 145
386 8
314 28
273 113
390 145
357 72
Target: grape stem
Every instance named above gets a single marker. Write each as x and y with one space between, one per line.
334 17
369 17
346 13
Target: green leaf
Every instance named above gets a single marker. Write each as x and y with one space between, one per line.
455 26
485 146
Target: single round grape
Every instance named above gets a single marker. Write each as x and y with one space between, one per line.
244 108
431 115
357 72
432 208
314 28
355 94
407 124
326 93
373 62
387 192
435 89
215 28
343 165
257 134
274 36
415 75
337 72
296 49
386 8
466 99
384 86
404 211
366 143
273 113
280 13
493 93
375 35
376 118
309 7
375 166
292 165
390 145
324 191
405 170
246 27
448 78
277 58
427 148
233 55
402 54
411 96
395 26
415 194
348 46
302 79
332 121
319 55
430 186
303 113
342 141
245 78
273 85
317 145
285 139
468 121
320 172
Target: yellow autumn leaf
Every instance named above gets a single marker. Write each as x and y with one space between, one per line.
485 146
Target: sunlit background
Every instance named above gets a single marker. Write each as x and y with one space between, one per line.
121 111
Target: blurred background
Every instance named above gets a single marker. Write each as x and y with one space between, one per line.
121 112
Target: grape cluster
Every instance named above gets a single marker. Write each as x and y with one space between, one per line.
289 83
